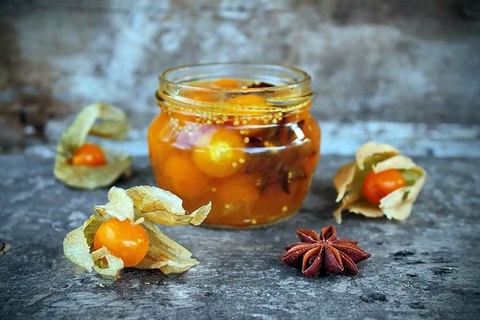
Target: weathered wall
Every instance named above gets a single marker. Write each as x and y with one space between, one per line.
395 61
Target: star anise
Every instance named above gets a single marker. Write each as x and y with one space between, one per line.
323 253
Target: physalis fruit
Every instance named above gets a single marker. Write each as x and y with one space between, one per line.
89 154
83 164
122 233
123 239
381 182
377 185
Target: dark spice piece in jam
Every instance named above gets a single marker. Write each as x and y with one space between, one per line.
260 85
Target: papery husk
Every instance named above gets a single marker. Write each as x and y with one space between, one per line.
355 203
164 207
144 205
160 206
78 245
398 204
343 178
164 253
85 177
377 157
76 248
371 148
119 205
99 120
109 269
395 162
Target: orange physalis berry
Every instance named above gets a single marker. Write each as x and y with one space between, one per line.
89 154
123 239
376 186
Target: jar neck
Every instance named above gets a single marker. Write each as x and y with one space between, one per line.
288 90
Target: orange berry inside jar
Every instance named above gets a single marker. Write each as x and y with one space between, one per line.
238 135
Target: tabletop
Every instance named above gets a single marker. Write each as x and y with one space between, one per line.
425 267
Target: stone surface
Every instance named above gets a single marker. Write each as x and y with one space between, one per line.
397 61
423 268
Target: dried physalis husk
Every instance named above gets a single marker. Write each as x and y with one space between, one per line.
378 157
103 121
143 205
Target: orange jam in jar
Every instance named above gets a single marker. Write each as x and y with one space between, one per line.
238 135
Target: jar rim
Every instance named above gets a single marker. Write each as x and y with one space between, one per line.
280 76
181 86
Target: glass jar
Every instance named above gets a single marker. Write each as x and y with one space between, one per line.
239 135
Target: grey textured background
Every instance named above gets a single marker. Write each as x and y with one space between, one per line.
389 61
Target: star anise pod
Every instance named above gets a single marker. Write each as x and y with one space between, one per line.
323 253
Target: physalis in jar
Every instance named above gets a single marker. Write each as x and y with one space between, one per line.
238 135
